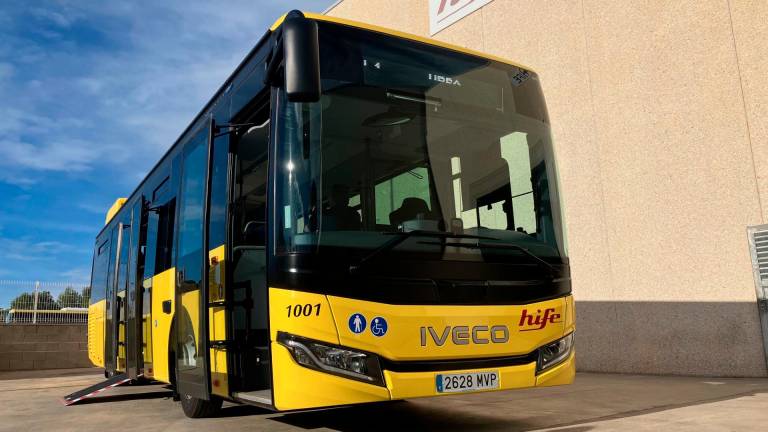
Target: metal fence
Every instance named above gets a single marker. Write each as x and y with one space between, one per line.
36 302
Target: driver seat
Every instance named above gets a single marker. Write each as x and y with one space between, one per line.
410 209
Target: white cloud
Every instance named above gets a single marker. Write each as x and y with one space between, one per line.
128 88
48 224
25 249
95 91
93 208
80 275
67 155
17 179
57 18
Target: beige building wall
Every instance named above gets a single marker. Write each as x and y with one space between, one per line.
659 112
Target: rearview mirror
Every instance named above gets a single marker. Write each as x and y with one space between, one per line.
301 51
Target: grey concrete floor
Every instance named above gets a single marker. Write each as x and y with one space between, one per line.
596 402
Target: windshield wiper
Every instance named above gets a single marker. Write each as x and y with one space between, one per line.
550 268
401 236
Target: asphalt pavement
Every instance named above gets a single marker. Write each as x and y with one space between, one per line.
595 402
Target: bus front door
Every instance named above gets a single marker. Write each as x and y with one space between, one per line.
251 366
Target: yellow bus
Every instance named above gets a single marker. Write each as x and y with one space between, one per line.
357 215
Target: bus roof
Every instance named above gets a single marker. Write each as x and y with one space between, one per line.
116 206
403 35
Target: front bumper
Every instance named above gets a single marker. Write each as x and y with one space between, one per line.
402 385
302 388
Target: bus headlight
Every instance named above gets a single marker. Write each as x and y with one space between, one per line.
324 357
554 353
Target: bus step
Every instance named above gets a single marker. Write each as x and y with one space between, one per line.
261 398
95 389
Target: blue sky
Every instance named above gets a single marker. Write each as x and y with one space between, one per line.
91 94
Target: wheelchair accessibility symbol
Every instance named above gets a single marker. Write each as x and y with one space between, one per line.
379 326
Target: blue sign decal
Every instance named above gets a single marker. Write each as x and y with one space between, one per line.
439 383
357 323
379 326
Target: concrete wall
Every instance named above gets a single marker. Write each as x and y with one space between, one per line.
24 347
659 112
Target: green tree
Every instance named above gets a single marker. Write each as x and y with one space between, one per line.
23 301
45 301
86 293
71 298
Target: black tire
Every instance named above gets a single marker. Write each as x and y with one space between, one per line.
194 407
198 408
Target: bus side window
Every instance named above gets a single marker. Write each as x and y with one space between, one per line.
151 245
99 283
160 222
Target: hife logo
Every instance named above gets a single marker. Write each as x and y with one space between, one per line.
453 5
539 320
443 13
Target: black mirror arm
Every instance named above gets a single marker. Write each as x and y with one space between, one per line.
232 127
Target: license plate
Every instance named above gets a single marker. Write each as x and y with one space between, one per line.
467 381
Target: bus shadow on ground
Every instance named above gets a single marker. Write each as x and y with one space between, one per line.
402 415
531 414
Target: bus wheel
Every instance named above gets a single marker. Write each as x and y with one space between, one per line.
198 408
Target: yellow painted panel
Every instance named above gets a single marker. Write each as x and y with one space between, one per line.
217 328
404 35
570 315
297 387
121 362
217 321
219 380
318 325
190 302
146 334
420 384
407 323
163 288
116 206
96 333
561 374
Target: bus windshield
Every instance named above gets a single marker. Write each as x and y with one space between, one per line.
410 137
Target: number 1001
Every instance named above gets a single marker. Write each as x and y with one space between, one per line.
303 310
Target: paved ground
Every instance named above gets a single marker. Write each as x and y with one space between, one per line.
596 402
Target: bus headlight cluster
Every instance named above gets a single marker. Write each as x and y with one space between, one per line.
554 353
325 357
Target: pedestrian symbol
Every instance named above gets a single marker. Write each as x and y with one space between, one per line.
357 323
379 326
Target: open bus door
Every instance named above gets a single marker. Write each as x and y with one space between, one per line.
114 347
123 271
250 369
134 343
191 319
110 327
